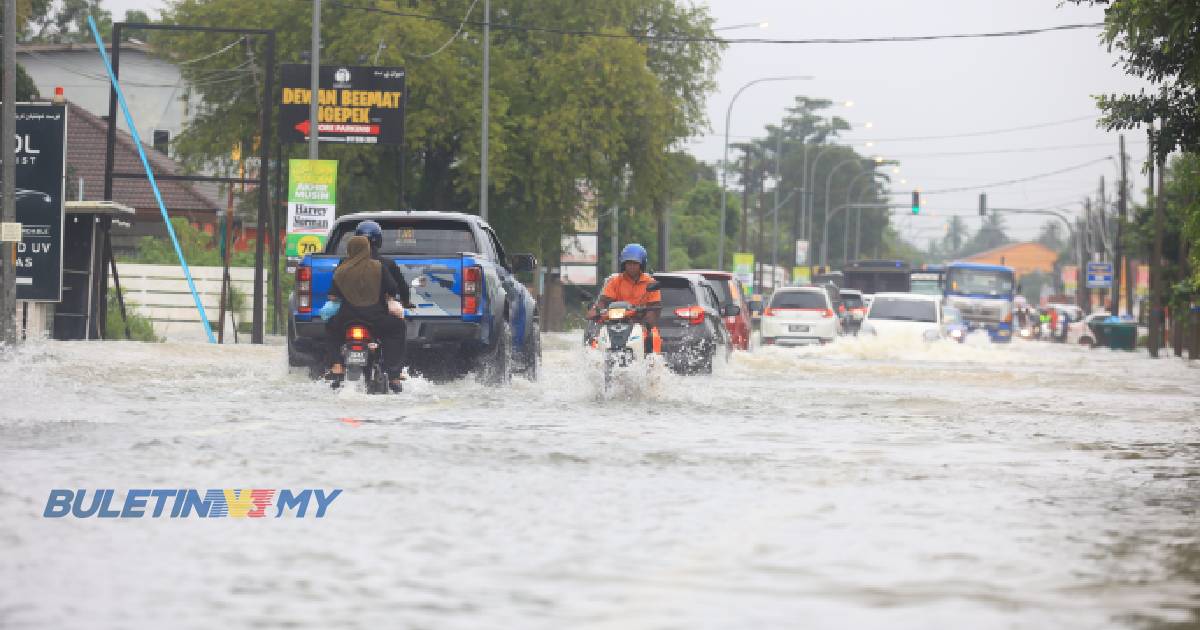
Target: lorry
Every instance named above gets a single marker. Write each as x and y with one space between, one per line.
985 296
470 312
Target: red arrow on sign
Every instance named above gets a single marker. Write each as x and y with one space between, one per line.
303 127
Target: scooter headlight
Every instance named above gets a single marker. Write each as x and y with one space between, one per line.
616 313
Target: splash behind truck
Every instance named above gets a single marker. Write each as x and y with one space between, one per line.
984 294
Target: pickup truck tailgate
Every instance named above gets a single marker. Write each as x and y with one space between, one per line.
435 284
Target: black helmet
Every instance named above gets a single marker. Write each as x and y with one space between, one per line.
372 231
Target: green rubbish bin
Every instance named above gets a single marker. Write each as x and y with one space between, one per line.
1115 335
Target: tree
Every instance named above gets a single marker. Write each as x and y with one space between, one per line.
956 235
990 235
1157 41
564 107
1051 236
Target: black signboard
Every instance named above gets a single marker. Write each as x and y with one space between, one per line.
40 163
357 104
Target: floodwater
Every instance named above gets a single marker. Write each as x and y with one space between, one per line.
860 485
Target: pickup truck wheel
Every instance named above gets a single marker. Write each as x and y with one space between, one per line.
495 366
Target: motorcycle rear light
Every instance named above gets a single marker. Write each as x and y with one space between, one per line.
356 333
693 314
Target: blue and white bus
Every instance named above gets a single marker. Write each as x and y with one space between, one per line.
984 295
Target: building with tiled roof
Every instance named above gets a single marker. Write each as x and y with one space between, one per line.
1024 258
86 135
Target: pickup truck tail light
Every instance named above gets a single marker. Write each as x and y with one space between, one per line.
693 314
304 289
471 288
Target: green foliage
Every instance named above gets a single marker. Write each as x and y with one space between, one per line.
1157 41
563 108
62 20
200 249
26 88
140 328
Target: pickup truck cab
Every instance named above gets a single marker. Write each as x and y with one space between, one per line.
470 311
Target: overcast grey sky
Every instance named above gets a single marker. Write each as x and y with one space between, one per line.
928 89
938 88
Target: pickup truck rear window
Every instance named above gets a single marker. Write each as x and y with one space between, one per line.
421 238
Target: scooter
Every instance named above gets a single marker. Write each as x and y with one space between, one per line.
620 340
362 355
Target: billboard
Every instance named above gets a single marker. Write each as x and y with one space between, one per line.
40 158
357 104
580 249
743 269
311 207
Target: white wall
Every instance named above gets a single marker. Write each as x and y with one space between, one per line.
161 293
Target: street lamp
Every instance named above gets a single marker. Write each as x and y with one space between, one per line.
725 159
825 223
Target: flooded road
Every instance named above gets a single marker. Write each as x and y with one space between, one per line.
860 485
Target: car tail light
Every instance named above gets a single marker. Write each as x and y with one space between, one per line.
769 342
841 308
827 312
471 286
357 333
304 289
693 314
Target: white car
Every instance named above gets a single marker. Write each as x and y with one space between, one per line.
799 315
908 315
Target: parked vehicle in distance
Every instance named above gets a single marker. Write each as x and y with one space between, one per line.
800 315
856 310
905 315
692 323
730 292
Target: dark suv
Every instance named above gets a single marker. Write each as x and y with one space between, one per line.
729 291
691 324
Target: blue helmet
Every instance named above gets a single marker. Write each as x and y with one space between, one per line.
372 231
636 253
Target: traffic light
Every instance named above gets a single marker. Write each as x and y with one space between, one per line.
982 204
916 205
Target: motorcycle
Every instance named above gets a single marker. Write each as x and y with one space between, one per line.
620 339
362 355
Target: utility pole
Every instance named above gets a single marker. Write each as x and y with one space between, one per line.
314 83
8 196
1120 269
775 225
487 70
1086 256
744 240
1156 287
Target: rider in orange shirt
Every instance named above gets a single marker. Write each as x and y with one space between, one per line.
632 286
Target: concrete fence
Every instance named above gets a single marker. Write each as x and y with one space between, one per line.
160 293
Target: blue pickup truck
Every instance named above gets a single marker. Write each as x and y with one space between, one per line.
471 313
